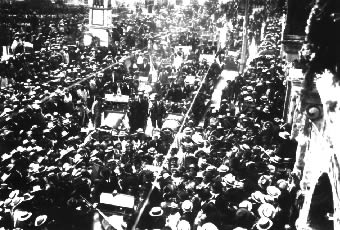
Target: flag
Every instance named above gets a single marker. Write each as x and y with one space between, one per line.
153 71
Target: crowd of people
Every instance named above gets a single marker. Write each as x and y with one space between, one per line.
229 171
234 172
51 90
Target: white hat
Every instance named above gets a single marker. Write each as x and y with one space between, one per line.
273 191
165 175
40 220
23 215
183 225
258 197
14 194
246 204
284 135
264 181
187 206
223 168
209 226
267 210
264 223
229 179
156 211
210 168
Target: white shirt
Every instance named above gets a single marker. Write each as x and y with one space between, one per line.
140 60
68 98
172 220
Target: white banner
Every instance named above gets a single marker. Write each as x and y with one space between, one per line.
117 98
209 57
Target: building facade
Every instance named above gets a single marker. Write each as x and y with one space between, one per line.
313 109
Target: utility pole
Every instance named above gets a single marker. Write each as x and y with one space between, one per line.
245 38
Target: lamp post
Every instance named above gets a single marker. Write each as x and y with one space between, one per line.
244 38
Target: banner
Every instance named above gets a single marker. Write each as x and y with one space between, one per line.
117 98
209 57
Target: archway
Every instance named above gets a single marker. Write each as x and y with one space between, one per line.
322 207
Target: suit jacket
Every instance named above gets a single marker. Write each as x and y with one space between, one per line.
157 110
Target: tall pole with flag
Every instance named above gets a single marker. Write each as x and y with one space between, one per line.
245 38
153 71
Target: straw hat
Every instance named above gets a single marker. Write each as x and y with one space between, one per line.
267 210
27 197
282 184
24 215
258 197
187 206
229 179
40 220
209 226
16 201
156 211
246 204
14 194
273 191
264 223
264 181
223 168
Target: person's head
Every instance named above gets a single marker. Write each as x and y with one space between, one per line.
216 187
204 194
183 225
207 177
105 173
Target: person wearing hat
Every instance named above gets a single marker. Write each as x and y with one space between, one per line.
187 212
82 112
53 104
21 219
41 222
222 171
264 181
182 225
142 107
96 111
264 223
157 113
244 218
106 182
133 114
173 217
157 220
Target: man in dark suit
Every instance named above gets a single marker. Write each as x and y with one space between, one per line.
96 111
107 182
145 68
132 114
52 105
142 108
157 113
